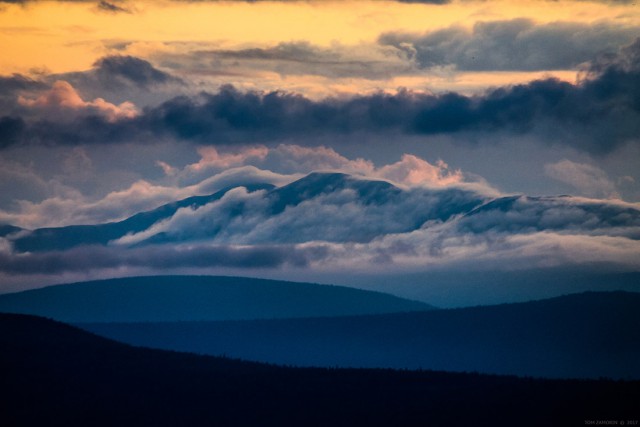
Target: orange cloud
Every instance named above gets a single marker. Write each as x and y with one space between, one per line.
63 96
210 157
413 170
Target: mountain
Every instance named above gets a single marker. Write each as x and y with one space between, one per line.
6 229
60 238
337 208
182 298
385 208
588 335
56 375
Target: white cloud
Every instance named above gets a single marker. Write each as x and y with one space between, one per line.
211 158
333 209
410 170
589 180
70 207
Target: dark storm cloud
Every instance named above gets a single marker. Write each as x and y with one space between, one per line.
11 131
425 1
101 5
122 78
111 8
87 258
131 69
18 82
598 114
118 72
515 45
13 86
117 78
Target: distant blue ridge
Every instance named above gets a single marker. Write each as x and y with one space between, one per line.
182 298
588 335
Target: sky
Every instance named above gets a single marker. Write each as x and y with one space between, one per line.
528 108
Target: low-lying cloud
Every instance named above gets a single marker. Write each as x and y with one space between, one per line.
333 222
165 258
215 170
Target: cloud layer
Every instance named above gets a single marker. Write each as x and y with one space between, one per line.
598 114
515 45
333 222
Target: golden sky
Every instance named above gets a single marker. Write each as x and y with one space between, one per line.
69 36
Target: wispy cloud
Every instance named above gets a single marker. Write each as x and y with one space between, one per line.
558 237
215 170
589 180
105 6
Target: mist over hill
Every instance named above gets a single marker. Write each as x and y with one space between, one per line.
353 230
379 206
335 207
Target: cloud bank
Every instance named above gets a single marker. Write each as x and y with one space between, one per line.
514 45
337 222
598 114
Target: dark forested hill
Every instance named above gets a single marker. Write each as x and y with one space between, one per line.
55 375
181 298
585 335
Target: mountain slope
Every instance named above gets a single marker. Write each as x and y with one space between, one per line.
182 298
8 229
55 375
384 208
583 335
60 238
340 208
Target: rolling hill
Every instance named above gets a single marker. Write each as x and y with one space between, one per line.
183 298
589 335
56 375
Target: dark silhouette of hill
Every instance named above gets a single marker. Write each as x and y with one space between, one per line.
181 298
8 229
585 335
56 375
